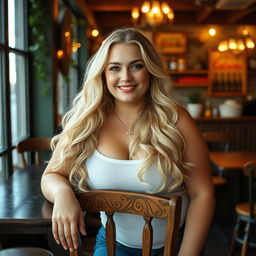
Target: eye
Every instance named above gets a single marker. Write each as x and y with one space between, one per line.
137 66
114 68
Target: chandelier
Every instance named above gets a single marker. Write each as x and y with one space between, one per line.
237 44
153 13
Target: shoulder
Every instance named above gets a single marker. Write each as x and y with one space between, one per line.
189 129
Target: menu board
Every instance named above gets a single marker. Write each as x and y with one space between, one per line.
227 74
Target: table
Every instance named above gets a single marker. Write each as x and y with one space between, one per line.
230 164
23 208
231 160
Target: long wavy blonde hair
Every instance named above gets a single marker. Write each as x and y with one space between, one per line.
159 139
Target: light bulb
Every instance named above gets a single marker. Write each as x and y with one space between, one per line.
145 7
135 13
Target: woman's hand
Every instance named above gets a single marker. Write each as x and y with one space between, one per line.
67 220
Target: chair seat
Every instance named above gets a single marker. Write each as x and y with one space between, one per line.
243 209
25 251
218 180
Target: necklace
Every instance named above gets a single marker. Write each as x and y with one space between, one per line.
129 129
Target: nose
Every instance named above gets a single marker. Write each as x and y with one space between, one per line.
126 74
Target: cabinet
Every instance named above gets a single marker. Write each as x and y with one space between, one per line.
189 78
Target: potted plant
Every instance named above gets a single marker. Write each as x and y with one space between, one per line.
194 105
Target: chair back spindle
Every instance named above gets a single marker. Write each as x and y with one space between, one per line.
148 206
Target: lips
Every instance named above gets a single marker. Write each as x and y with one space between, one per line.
127 88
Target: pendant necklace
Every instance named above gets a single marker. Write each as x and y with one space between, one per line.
130 130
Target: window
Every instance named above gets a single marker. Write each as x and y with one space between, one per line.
14 113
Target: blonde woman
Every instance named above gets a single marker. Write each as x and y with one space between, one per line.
125 132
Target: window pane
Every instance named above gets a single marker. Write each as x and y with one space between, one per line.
3 167
19 97
1 21
2 102
16 24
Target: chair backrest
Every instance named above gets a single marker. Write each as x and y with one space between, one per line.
148 206
33 145
217 141
249 169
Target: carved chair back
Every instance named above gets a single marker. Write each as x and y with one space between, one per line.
34 145
148 206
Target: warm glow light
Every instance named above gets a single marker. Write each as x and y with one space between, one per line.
232 45
212 31
74 49
155 13
165 8
95 33
223 46
60 54
67 34
245 31
145 7
156 8
135 13
170 15
240 45
249 43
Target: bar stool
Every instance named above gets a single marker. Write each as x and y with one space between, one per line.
246 214
25 251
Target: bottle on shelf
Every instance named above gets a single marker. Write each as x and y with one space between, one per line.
208 109
181 64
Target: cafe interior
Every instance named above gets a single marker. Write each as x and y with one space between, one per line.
208 47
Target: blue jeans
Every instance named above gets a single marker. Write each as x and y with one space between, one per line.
100 248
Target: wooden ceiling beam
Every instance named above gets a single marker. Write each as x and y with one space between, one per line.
236 16
88 14
203 15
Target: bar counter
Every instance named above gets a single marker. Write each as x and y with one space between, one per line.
242 129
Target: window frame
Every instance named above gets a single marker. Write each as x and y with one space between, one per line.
7 150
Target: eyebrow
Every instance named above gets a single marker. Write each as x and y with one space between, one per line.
132 62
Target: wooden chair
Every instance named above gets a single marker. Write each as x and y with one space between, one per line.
25 251
217 141
148 206
33 145
246 214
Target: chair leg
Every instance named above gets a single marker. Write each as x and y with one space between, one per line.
246 239
234 237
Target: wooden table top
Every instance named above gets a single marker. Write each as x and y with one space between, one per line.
232 159
21 199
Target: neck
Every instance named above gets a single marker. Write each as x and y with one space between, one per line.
127 115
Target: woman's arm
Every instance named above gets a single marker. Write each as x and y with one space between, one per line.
199 185
67 215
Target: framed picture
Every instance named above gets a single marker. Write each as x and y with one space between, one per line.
173 43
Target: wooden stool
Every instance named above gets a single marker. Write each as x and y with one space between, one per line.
246 214
25 251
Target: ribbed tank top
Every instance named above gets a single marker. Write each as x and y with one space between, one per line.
109 173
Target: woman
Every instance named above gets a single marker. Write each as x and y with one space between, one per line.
125 132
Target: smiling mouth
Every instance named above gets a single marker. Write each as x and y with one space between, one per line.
127 87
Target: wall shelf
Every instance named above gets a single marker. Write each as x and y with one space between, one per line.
189 78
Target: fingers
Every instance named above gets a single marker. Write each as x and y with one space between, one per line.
81 225
65 233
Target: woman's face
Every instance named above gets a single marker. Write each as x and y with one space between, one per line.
126 74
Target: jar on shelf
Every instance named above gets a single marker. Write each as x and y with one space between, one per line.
181 64
173 64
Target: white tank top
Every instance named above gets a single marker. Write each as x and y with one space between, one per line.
108 173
